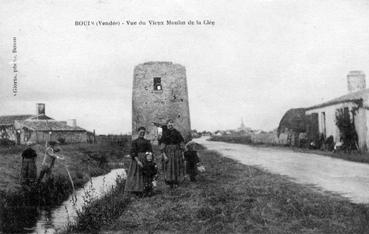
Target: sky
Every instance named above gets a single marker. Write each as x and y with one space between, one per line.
258 60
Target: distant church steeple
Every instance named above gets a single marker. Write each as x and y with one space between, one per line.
242 127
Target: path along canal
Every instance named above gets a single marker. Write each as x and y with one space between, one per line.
349 179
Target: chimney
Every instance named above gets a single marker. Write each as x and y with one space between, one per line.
72 122
40 109
355 81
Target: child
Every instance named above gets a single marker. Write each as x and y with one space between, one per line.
192 161
49 161
149 171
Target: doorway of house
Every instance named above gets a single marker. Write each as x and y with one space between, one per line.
324 128
18 137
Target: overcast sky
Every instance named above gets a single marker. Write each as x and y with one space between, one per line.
258 60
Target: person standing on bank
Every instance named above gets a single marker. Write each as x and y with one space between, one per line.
29 169
192 160
135 179
172 147
49 161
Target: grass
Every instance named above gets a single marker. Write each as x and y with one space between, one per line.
228 198
96 213
246 139
362 157
82 160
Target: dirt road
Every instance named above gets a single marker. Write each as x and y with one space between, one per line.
348 179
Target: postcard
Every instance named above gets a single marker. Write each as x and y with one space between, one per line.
184 116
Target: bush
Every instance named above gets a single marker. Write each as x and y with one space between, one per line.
96 213
61 140
6 142
329 143
346 125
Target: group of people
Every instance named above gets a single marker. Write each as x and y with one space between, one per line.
29 169
142 173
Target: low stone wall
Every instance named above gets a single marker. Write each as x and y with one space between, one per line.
264 138
272 138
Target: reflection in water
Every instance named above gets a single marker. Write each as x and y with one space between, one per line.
29 217
21 213
55 220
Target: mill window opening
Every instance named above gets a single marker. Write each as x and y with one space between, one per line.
157 84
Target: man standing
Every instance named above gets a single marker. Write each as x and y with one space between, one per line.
49 160
29 169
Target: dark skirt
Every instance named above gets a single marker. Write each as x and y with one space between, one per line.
135 178
29 170
174 169
191 168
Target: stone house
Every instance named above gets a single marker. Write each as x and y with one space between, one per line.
40 128
160 93
356 101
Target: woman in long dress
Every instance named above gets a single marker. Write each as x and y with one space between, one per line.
172 147
135 179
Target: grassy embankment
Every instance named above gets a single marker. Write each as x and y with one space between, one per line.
362 157
82 160
228 198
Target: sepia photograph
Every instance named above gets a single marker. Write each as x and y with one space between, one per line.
174 116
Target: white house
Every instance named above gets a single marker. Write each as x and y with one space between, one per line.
358 98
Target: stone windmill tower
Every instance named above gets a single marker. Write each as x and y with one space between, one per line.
160 93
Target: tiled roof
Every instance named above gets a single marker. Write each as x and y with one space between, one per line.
9 119
40 117
44 125
351 97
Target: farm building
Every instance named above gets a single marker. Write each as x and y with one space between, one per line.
40 128
355 104
294 126
293 120
160 93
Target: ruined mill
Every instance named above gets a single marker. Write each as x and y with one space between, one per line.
160 93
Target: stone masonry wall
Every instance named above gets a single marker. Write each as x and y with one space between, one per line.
149 105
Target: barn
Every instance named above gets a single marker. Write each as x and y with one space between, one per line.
293 123
40 128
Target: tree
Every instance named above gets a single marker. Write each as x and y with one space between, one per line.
346 125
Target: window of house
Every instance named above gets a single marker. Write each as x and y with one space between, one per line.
157 84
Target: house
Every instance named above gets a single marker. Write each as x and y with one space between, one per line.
354 104
40 128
